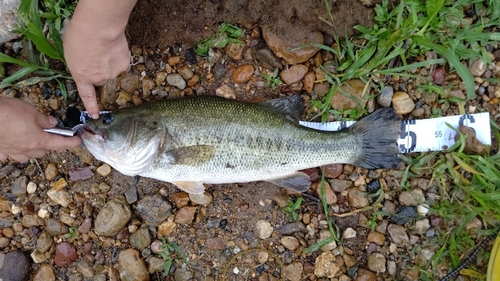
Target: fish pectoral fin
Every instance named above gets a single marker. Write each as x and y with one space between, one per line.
297 181
194 155
193 187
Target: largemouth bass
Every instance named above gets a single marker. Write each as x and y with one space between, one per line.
195 140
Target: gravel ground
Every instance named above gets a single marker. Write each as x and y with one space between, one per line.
69 217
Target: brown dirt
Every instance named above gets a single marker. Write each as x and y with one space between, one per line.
164 23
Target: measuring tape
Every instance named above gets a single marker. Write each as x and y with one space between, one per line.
426 134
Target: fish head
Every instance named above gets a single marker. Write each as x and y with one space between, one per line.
128 141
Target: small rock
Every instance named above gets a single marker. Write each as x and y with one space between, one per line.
160 77
219 71
398 234
411 198
81 174
85 226
234 51
405 214
477 68
349 233
385 97
264 229
60 184
243 73
376 262
29 221
176 80
331 197
402 103
226 92
65 254
365 275
354 98
308 81
472 144
267 59
55 227
324 235
293 272
290 242
4 242
166 227
155 264
340 185
332 171
85 269
44 273
185 215
19 187
123 98
326 266
51 172
148 208
38 257
294 74
129 83
357 199
195 79
180 199
14 266
148 85
186 72
112 217
131 194
376 237
418 112
174 60
203 199
421 226
215 243
43 242
182 274
423 209
291 228
131 266
31 188
104 170
60 197
140 239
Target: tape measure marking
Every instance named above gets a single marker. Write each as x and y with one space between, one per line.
426 134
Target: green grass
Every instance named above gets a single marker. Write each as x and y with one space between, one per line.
291 209
171 252
272 81
227 33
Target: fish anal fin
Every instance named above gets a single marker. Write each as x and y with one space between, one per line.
298 182
291 106
192 187
194 155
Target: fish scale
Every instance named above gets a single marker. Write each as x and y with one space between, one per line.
195 140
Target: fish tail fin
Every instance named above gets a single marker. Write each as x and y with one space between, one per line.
378 134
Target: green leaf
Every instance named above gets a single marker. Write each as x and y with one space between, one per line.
453 61
18 75
35 80
8 59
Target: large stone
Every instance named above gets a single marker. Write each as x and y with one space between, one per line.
113 217
14 266
131 266
65 254
154 209
294 74
326 266
290 44
350 96
44 273
402 103
242 74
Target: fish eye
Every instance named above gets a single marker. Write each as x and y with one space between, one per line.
107 118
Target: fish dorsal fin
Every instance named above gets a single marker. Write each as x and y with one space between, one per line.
194 155
291 106
297 181
192 187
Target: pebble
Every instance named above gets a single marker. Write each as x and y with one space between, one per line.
291 228
285 45
148 208
418 112
44 242
4 205
376 262
160 77
104 170
176 80
323 235
376 237
129 83
242 74
349 233
55 227
402 103
225 92
112 217
219 71
358 199
31 188
268 60
398 234
85 269
19 187
293 272
123 98
131 266
203 199
421 226
174 60
14 266
293 74
65 254
264 229
155 264
186 72
185 215
308 81
182 274
405 214
180 199
331 197
166 227
234 51
81 174
85 226
332 171
411 198
355 89
140 239
148 85
477 68
51 172
195 79
423 209
44 273
60 184
4 242
340 185
60 197
365 275
385 97
290 242
325 265
215 243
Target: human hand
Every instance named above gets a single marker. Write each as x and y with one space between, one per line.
22 135
93 59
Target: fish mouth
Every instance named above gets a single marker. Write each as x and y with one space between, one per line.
85 130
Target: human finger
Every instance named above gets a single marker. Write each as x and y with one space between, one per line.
87 94
58 143
39 153
45 121
3 157
21 158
